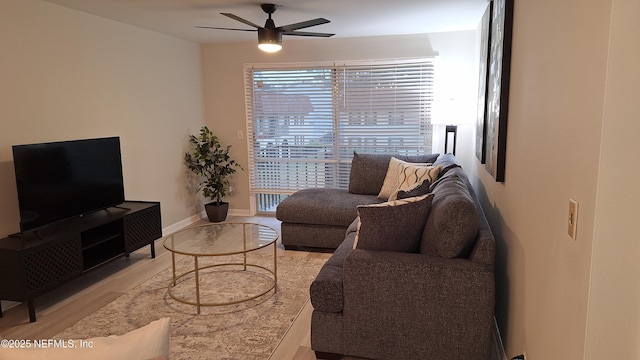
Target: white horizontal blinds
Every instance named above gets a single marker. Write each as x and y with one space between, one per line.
383 108
305 123
291 126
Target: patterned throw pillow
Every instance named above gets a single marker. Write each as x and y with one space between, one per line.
402 175
394 225
410 175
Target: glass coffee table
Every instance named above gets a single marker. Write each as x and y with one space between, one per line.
231 240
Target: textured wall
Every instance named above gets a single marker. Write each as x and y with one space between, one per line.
68 75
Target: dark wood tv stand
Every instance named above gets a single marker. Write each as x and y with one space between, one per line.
33 263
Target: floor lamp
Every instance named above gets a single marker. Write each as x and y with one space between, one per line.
450 130
447 112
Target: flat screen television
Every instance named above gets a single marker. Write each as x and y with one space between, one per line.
57 181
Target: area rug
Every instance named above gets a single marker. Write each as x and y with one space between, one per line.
249 330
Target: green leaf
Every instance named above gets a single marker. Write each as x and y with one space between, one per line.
211 162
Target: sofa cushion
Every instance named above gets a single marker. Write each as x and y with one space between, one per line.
452 224
404 175
334 207
394 225
369 170
311 235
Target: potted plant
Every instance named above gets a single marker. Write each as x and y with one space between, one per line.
212 164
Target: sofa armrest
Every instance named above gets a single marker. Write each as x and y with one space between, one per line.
398 301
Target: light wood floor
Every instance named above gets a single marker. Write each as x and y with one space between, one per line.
64 306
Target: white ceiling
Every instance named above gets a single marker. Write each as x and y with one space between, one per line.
349 18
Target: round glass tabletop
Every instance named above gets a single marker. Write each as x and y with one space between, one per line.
218 239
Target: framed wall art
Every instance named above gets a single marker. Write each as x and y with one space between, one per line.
497 99
482 84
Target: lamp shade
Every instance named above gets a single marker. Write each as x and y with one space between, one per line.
446 112
269 40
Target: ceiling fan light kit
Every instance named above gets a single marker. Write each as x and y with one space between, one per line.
269 40
270 36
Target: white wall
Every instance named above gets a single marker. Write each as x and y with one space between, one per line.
572 115
613 327
224 91
68 75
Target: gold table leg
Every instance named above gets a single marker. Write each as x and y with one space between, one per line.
275 268
195 258
173 266
244 241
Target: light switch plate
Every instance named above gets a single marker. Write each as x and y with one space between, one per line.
573 218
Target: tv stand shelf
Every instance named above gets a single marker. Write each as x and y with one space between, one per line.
33 263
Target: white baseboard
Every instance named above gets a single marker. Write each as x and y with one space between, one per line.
240 212
195 218
497 348
181 224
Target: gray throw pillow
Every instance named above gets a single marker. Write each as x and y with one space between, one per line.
393 226
448 162
367 173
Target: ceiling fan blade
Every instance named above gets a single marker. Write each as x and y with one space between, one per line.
219 28
304 33
238 18
304 24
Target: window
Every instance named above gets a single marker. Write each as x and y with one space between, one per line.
305 121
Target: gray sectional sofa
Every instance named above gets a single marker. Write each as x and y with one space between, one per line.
433 299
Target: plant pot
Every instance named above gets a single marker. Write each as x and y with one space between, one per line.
217 211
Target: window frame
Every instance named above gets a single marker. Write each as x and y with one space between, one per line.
342 161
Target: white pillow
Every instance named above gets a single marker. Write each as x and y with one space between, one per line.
150 342
402 175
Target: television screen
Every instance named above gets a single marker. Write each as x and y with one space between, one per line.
60 180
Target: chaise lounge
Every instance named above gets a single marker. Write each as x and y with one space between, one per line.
319 217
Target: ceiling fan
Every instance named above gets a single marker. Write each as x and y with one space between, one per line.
270 36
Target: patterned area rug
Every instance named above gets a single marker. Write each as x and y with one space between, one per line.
249 330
